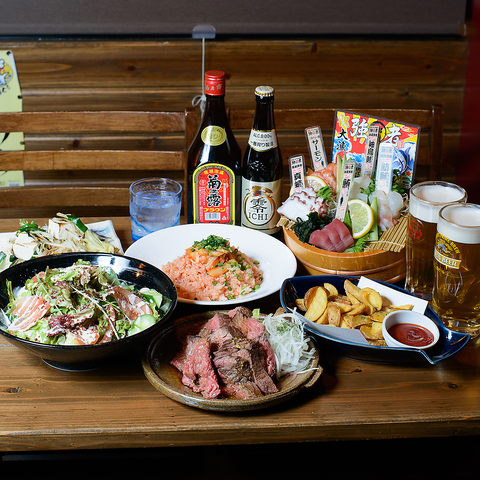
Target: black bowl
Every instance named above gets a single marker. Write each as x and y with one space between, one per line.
87 357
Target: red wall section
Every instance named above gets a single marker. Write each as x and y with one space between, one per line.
468 173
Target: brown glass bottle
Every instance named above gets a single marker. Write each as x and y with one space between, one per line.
214 162
262 168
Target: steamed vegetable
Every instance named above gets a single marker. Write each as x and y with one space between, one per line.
64 234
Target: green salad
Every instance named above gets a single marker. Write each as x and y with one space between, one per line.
82 304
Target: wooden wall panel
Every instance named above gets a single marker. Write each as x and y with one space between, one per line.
165 74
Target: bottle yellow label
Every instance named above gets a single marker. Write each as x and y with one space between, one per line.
214 135
447 253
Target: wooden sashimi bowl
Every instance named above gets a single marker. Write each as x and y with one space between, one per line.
380 265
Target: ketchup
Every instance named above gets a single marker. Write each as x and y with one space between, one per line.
410 334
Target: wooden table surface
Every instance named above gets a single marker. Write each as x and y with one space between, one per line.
45 409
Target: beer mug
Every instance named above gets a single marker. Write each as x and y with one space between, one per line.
426 200
456 293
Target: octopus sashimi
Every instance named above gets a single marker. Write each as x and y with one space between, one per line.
300 204
130 303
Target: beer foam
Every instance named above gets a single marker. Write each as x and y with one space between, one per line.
427 200
461 223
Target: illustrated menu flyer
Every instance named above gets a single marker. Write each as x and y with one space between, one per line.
352 132
10 101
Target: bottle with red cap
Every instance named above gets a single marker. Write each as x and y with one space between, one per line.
214 162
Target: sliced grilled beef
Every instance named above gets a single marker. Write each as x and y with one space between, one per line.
198 372
230 355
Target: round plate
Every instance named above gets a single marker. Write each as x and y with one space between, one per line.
276 260
167 379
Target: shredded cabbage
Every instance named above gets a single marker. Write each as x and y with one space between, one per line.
287 337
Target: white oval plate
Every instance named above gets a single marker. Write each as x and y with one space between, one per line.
276 260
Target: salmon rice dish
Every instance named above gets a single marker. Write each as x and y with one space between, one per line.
212 269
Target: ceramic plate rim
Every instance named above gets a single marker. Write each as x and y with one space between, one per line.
241 237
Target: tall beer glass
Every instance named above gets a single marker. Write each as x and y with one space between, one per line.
426 200
456 293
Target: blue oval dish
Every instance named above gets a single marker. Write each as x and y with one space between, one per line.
449 344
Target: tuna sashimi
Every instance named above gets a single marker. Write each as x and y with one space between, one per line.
334 237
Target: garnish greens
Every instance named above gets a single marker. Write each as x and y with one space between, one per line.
398 184
28 226
326 193
212 242
303 229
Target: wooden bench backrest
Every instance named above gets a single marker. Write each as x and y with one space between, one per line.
84 162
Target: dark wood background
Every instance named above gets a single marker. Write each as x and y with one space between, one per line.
164 73
151 74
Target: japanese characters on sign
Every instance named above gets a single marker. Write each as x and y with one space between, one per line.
354 135
316 147
348 176
296 165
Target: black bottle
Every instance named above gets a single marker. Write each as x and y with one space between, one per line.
262 168
214 162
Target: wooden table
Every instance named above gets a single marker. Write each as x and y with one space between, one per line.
43 409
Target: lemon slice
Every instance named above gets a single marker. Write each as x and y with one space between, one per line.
314 182
362 217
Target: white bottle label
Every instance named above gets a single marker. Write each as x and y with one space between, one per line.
262 140
260 201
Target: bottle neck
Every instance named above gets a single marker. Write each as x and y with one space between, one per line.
264 118
214 109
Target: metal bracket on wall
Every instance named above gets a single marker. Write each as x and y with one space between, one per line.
202 31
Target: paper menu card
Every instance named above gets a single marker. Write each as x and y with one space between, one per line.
10 101
350 136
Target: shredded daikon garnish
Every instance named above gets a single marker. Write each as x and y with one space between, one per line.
287 337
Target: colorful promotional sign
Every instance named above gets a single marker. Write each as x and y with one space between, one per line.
351 134
10 101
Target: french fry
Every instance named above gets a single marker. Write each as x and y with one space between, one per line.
300 304
332 290
355 321
379 316
361 308
323 319
334 314
343 307
358 309
371 331
377 343
352 292
317 305
344 322
340 299
374 298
